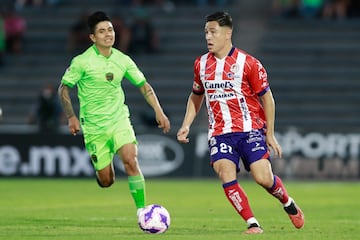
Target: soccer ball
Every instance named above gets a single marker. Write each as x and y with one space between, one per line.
154 219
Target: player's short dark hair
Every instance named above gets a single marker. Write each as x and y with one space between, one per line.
95 18
223 19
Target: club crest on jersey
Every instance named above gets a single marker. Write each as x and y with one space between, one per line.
235 68
109 76
94 158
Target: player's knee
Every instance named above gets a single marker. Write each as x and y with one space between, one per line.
264 181
131 167
104 183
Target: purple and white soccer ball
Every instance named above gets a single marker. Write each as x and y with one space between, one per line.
154 219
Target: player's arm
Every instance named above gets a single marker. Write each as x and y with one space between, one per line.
65 100
192 108
268 103
149 94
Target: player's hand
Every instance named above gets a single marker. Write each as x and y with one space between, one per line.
74 125
273 143
163 122
182 134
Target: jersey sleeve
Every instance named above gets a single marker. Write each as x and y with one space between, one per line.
257 76
73 73
133 73
197 87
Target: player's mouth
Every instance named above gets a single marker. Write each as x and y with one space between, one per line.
210 45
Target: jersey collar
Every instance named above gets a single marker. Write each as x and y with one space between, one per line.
231 51
95 49
98 52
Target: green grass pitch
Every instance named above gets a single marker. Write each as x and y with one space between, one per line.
79 209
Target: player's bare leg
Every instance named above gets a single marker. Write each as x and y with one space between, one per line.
106 176
128 155
263 175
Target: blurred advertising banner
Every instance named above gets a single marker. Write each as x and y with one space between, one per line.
305 156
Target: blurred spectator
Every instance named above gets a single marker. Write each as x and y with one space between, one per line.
78 39
336 9
124 2
15 27
166 5
53 2
20 4
204 3
307 9
286 8
354 9
46 112
122 33
310 9
137 3
144 38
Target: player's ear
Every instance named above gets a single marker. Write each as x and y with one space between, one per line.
229 33
92 37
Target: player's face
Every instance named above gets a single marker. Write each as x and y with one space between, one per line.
217 37
104 35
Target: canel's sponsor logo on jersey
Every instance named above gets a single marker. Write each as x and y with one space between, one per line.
218 85
157 155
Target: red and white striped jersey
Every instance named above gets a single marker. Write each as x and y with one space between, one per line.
232 87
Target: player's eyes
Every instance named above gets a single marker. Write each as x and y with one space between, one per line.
210 32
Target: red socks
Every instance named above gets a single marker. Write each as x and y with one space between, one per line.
278 190
238 199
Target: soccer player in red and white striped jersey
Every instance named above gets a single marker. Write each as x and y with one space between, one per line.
241 113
